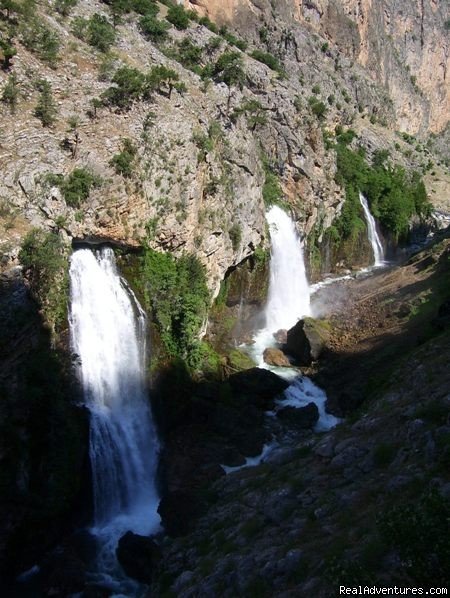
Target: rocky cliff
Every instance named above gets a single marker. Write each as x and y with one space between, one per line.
206 149
403 46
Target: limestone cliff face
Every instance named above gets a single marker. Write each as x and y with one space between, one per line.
403 45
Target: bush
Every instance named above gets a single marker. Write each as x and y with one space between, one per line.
154 29
46 108
272 192
123 162
178 16
235 233
129 85
10 94
189 54
96 31
41 40
318 108
208 24
45 261
175 290
76 187
228 68
267 59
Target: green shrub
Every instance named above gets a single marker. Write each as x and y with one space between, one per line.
175 290
10 95
189 54
315 89
41 40
154 29
8 51
208 24
45 110
129 85
268 59
45 260
123 162
318 108
76 187
178 16
235 233
100 33
272 192
228 68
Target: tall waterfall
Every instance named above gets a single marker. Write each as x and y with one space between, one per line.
107 328
374 239
288 298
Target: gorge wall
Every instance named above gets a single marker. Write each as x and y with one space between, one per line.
403 46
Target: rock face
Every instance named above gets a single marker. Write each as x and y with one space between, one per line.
302 417
138 555
307 340
404 46
275 357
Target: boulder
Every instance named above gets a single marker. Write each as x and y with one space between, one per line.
257 386
280 336
307 340
301 417
179 510
138 556
276 357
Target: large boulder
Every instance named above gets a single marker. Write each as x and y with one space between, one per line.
307 340
300 417
179 509
276 357
138 556
257 386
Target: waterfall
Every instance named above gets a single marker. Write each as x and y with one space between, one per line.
288 298
108 331
374 239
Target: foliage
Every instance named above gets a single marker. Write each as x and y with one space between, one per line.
153 28
77 186
235 233
189 54
178 16
176 292
228 69
45 109
268 59
8 52
129 86
96 31
45 260
233 40
123 162
254 113
208 24
10 94
41 40
394 196
272 192
318 108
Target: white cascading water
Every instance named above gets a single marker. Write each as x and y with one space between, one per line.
374 238
108 332
288 298
288 301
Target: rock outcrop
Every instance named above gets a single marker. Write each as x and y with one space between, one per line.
307 340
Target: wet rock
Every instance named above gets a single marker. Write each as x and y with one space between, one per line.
280 336
138 555
275 357
303 417
307 340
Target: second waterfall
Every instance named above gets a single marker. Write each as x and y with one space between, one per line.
108 335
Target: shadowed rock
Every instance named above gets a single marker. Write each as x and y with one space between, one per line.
307 340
